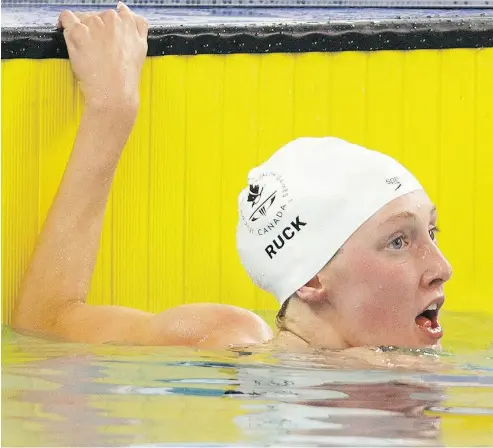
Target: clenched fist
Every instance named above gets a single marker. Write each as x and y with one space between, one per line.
107 51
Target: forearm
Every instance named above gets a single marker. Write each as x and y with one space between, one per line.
62 264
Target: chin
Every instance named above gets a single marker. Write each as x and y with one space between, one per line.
415 343
429 345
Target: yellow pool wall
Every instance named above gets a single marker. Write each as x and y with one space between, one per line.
206 120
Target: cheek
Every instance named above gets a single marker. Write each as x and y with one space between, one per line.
380 291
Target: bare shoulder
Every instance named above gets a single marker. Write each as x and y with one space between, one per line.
208 325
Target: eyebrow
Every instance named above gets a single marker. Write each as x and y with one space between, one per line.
402 215
406 215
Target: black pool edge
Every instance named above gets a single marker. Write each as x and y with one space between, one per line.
333 36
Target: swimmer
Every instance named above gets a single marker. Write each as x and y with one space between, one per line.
344 237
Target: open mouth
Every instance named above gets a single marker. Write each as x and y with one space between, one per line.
428 321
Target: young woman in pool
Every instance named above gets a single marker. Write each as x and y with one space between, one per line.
344 237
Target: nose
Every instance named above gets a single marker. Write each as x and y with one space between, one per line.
437 269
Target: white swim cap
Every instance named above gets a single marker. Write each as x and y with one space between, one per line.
303 203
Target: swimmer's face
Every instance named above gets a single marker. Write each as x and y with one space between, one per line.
387 274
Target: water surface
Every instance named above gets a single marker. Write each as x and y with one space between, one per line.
59 394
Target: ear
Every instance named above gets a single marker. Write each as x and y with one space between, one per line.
313 291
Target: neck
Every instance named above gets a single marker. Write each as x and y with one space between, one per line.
310 325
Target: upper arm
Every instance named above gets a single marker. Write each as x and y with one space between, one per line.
99 324
200 325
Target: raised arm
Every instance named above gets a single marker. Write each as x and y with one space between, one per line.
107 52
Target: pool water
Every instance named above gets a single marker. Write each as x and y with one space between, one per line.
59 394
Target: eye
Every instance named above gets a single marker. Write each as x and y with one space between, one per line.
433 233
397 243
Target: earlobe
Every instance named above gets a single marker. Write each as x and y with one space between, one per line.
313 291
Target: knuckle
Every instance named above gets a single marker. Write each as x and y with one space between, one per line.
94 20
78 32
109 14
81 15
65 16
142 20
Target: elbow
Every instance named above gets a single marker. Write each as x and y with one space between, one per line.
39 319
21 321
25 320
21 318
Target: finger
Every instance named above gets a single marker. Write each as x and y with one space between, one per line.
109 16
94 22
66 19
82 16
142 26
125 13
124 10
87 13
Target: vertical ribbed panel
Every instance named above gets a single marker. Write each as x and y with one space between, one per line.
311 114
457 147
20 168
205 121
130 214
167 182
420 117
240 154
483 188
348 95
203 170
384 106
